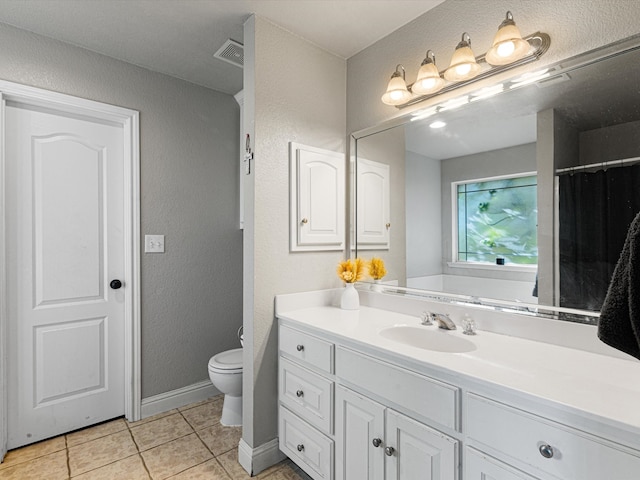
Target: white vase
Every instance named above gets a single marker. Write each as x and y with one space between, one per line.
376 286
350 299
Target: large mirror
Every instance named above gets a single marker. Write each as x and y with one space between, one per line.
524 196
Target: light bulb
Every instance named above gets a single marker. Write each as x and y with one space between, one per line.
505 49
463 69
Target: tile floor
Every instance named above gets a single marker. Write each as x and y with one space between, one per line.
182 444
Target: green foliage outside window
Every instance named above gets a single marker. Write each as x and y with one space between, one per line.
498 219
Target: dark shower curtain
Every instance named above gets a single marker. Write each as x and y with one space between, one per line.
596 209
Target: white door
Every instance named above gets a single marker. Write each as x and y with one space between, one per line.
419 452
65 244
359 437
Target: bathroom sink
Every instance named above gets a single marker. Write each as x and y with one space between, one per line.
428 338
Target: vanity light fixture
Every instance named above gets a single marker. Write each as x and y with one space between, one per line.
397 92
429 79
508 44
509 50
463 63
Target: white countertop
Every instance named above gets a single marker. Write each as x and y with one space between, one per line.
599 385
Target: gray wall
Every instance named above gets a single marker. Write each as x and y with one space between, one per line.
424 215
191 295
294 92
610 143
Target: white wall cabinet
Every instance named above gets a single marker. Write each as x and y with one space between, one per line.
317 199
373 205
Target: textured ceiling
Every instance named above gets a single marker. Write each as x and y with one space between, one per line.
179 37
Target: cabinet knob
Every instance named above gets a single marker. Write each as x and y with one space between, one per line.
546 451
376 442
300 448
389 451
304 221
299 393
300 348
388 225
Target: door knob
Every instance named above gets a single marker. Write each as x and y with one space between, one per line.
115 284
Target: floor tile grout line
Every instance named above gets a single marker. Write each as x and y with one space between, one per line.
144 464
66 449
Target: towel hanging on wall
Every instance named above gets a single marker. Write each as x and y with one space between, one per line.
619 324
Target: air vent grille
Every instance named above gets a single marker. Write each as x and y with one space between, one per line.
231 52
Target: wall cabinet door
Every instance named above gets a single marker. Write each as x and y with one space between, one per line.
359 437
318 185
479 466
373 205
419 452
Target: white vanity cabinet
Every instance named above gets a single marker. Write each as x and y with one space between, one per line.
374 442
479 466
306 397
351 410
371 440
544 447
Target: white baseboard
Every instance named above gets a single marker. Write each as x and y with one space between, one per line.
177 398
255 460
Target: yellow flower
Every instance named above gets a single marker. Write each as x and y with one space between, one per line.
350 271
376 268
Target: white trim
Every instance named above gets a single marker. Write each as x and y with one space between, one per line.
3 295
497 268
255 460
180 397
129 120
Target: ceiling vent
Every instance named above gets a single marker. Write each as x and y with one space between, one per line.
231 52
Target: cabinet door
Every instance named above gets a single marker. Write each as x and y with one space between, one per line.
479 466
419 452
359 427
373 205
318 199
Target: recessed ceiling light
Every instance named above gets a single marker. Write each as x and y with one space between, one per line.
437 124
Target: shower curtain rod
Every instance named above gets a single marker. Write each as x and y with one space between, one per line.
610 163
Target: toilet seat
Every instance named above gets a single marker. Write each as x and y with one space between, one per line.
229 361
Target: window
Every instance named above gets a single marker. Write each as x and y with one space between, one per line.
497 221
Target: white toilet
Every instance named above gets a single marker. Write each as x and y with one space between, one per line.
225 372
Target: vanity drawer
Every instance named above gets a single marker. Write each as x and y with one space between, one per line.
308 448
307 394
425 396
524 437
306 349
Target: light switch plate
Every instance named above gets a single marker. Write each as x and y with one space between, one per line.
154 243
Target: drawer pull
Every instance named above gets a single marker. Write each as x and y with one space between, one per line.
300 348
376 442
389 451
299 393
546 451
301 448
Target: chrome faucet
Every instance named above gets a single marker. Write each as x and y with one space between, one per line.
443 321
